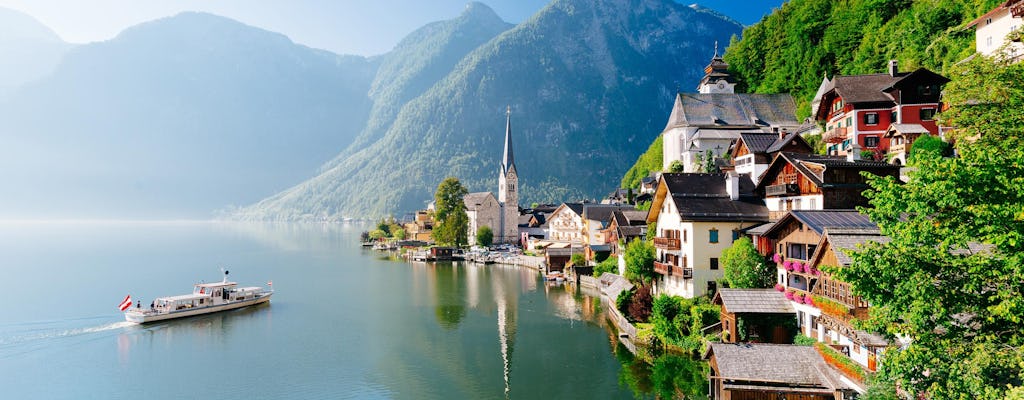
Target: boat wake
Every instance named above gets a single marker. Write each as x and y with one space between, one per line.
28 337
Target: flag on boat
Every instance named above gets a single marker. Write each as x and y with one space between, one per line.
270 283
127 302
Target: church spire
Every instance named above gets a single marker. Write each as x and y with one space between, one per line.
508 159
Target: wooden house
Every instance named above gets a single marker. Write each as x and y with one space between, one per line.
761 371
752 306
796 181
753 152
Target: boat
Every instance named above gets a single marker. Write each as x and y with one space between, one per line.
205 298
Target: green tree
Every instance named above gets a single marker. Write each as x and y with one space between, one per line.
962 305
931 144
640 261
452 223
577 259
610 264
484 236
664 311
745 268
676 166
398 233
377 234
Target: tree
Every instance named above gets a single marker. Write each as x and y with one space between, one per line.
961 304
398 233
745 268
706 163
676 166
484 236
452 223
931 144
610 264
639 261
577 259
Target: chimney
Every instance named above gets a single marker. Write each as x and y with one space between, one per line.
782 133
894 68
853 152
732 185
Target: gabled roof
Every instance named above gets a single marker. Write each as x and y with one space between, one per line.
774 364
924 74
813 166
759 301
703 197
781 144
906 129
758 142
630 217
474 200
865 89
820 220
733 110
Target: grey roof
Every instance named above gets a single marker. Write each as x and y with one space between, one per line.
612 284
630 217
774 364
781 144
473 200
907 129
865 88
632 231
508 159
760 229
716 134
603 212
758 142
819 220
703 197
733 109
761 301
843 243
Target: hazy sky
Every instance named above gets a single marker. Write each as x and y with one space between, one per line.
365 27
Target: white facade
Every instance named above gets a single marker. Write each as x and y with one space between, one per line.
990 33
746 164
565 225
788 203
697 252
483 210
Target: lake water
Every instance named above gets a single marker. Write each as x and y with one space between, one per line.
345 322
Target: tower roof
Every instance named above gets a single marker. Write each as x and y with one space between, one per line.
508 161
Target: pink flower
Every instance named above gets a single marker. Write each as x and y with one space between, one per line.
789 295
798 267
779 287
809 301
777 258
788 265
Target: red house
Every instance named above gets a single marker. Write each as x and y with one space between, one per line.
859 109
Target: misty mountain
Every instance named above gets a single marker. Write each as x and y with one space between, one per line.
29 49
590 84
175 118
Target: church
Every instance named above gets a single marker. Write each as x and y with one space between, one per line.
501 214
711 119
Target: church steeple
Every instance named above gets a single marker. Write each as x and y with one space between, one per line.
508 161
717 78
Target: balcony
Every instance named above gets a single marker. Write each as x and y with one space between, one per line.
668 269
834 135
666 243
785 189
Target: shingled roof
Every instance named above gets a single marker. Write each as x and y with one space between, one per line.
474 200
736 110
774 364
703 197
813 167
758 301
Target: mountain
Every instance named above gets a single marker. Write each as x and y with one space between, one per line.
30 49
175 118
418 62
589 82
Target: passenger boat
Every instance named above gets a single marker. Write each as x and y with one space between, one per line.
205 298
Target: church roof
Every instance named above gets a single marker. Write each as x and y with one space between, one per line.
733 110
508 161
475 200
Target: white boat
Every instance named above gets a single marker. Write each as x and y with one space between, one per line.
205 298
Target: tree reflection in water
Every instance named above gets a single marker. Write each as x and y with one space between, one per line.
668 376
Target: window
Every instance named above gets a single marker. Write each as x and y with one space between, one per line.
712 288
713 235
988 41
814 204
684 235
927 114
988 21
894 116
796 204
849 121
870 141
797 251
735 235
714 263
871 118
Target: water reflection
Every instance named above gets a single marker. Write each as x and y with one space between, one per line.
209 329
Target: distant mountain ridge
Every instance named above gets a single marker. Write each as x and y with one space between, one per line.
590 84
30 49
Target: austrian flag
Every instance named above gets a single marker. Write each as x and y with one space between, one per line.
127 302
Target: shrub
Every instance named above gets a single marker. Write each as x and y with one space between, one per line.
610 264
803 340
664 311
623 300
577 259
640 304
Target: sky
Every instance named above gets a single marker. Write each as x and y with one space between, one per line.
362 27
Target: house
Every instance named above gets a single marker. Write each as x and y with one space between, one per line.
752 371
698 216
483 209
807 242
626 226
565 224
596 218
858 109
420 227
901 137
992 30
754 306
753 152
708 121
796 181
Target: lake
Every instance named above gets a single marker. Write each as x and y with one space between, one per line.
344 322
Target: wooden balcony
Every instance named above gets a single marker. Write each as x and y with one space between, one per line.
834 135
662 268
668 269
666 243
785 189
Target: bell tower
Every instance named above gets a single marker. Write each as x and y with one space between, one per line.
508 189
716 76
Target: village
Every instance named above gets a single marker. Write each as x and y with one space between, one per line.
741 175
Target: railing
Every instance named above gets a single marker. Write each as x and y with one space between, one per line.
897 148
686 273
834 135
667 243
662 268
784 189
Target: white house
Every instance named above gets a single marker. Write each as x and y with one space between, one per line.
991 30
